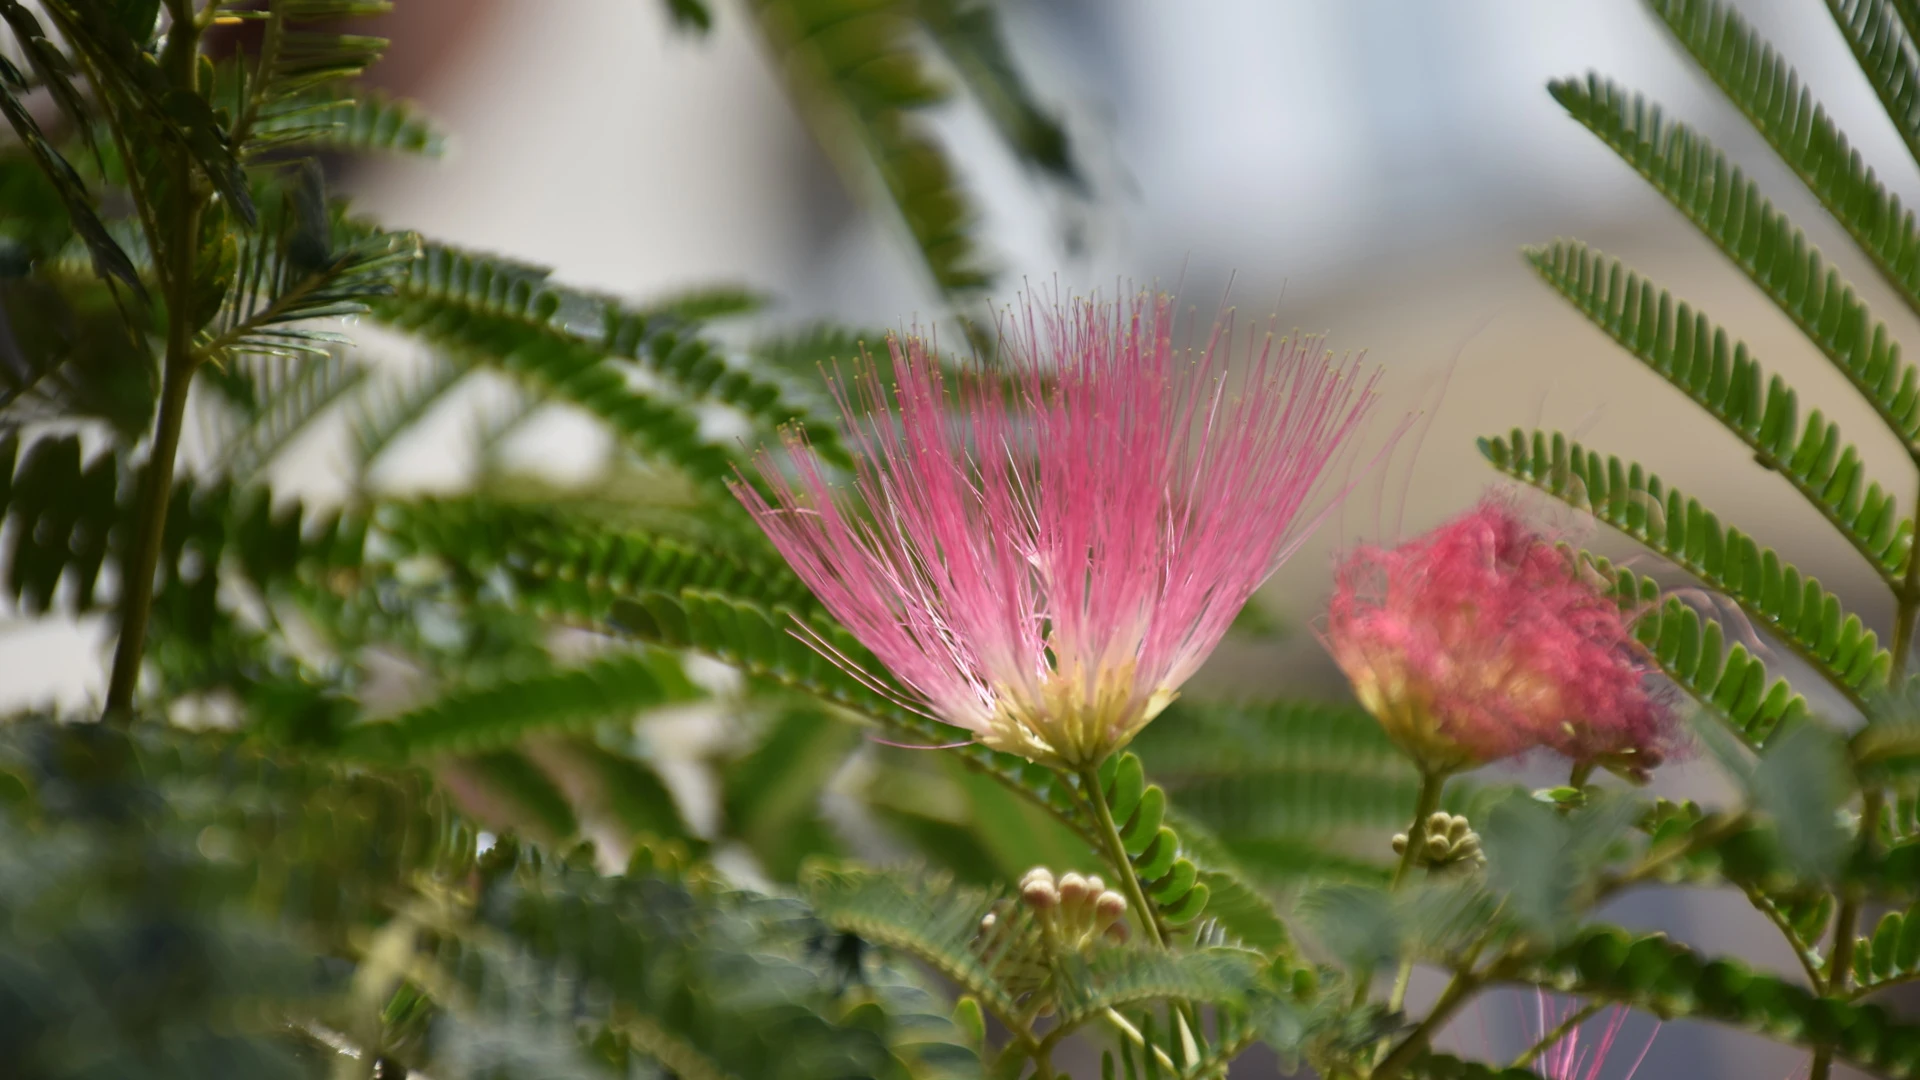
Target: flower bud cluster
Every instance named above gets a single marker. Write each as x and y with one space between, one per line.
1022 938
1450 843
1077 910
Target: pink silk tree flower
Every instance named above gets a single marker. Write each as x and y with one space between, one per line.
1483 639
1045 568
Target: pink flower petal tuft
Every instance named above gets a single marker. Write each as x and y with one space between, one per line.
1047 569
1483 639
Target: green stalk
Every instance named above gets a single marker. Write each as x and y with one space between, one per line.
1431 785
1847 922
1116 852
1457 993
180 60
156 492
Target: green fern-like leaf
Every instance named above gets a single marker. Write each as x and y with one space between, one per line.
1764 87
1891 954
295 270
508 314
1120 978
331 848
1670 980
577 566
1693 354
1210 738
62 509
810 351
1732 684
289 397
1170 877
522 337
1771 592
770 797
969 33
1885 53
710 302
1289 787
302 59
151 105
514 794
363 120
937 925
108 258
860 78
490 715
657 971
386 410
1730 210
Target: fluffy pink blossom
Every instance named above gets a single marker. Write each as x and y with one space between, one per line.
1483 639
1047 567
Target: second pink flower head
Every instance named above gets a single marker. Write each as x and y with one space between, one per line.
1482 640
1048 568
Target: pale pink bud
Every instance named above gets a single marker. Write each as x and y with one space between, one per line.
1074 888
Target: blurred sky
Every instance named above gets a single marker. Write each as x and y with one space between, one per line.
1375 162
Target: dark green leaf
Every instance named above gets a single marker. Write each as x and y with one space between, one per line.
772 796
969 32
1543 860
1356 923
1801 782
690 16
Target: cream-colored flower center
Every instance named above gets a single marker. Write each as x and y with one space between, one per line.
1071 720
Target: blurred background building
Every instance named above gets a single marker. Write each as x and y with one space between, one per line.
1368 167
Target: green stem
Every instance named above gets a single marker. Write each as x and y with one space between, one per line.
1401 978
1809 963
1582 772
180 56
1116 852
180 60
1709 832
156 492
1430 787
1846 923
1125 1027
1428 801
1906 603
1457 993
